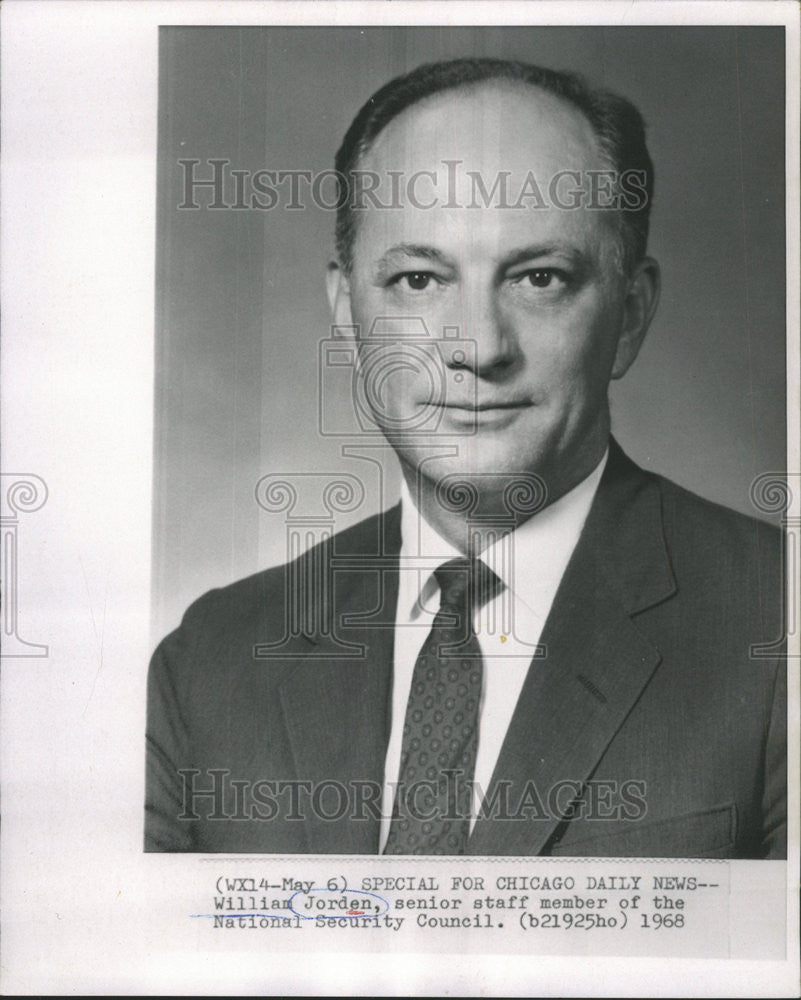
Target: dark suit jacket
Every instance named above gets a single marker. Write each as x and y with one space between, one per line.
647 710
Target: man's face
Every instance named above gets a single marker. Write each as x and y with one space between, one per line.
535 293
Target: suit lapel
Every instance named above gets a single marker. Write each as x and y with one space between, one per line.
597 662
335 703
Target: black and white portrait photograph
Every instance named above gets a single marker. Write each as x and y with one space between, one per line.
510 611
401 498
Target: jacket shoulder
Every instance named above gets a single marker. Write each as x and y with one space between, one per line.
723 552
261 598
712 526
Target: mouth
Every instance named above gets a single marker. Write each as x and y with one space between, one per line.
491 406
485 414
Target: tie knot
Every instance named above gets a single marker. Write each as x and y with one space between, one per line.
466 583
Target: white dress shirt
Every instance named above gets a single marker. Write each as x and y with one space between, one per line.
531 562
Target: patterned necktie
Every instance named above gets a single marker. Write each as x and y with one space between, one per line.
433 801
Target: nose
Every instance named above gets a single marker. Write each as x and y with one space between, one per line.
490 344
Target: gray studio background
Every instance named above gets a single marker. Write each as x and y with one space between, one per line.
241 303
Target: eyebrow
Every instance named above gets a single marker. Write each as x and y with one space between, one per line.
421 251
520 256
410 250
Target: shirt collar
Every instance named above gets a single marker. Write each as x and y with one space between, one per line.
530 560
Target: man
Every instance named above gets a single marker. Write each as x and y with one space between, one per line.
543 650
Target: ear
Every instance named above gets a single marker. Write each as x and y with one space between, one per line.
639 306
338 288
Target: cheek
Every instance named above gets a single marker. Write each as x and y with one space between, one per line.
363 307
575 347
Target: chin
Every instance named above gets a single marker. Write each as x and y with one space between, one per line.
482 468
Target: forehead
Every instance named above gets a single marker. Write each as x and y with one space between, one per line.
497 132
498 125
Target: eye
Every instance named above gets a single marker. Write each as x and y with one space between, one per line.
415 281
542 277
